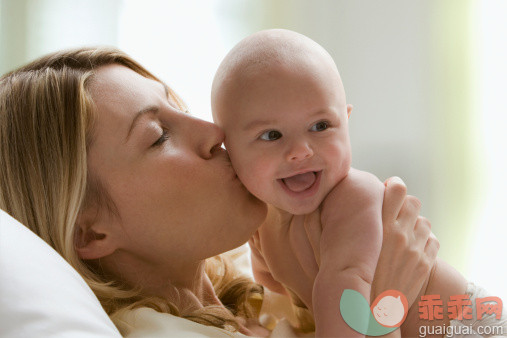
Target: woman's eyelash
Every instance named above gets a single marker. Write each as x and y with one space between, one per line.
162 139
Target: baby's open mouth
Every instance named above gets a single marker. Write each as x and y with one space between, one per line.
300 182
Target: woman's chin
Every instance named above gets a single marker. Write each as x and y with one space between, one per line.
257 212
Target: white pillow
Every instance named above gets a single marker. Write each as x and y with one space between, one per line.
40 293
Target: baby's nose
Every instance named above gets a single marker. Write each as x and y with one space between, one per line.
299 151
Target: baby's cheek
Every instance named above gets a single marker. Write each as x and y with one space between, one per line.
239 161
256 179
339 160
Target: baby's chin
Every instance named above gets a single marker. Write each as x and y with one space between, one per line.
299 210
292 206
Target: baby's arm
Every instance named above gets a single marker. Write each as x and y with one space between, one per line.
350 245
260 269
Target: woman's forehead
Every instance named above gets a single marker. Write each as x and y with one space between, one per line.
119 93
117 82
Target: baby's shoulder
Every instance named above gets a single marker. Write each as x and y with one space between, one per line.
357 188
357 182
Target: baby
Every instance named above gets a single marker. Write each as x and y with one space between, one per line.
280 100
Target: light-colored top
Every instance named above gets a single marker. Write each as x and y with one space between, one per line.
145 322
276 314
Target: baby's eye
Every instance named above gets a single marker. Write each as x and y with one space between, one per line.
320 126
271 135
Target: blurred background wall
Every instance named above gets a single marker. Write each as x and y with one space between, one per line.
426 78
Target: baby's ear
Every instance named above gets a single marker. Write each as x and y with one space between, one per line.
349 109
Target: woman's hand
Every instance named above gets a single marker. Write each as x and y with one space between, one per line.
409 248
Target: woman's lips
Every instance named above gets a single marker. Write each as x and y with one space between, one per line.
302 185
224 155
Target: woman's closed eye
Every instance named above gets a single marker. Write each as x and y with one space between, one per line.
320 126
270 135
162 138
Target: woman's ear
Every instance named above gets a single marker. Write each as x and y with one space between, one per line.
94 235
349 109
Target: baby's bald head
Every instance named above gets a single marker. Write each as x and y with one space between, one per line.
280 101
264 53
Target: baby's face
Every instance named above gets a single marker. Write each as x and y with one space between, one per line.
287 134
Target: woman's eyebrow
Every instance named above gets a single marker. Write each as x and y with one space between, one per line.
166 90
150 109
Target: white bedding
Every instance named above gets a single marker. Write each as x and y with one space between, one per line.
41 295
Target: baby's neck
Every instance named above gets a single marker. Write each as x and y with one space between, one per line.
278 216
283 218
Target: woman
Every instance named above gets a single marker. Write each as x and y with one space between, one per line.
100 159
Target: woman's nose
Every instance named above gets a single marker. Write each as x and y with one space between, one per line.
298 151
206 136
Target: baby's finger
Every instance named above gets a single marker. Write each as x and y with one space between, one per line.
313 230
394 196
409 212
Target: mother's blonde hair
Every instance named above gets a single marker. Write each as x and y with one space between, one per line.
46 124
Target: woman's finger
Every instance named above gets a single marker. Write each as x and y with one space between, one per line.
432 247
409 212
394 196
422 230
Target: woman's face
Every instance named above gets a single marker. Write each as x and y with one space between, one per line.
173 186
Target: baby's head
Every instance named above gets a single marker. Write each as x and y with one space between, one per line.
280 100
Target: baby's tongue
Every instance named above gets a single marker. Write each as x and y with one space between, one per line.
300 182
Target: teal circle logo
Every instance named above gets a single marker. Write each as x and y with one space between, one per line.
386 314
